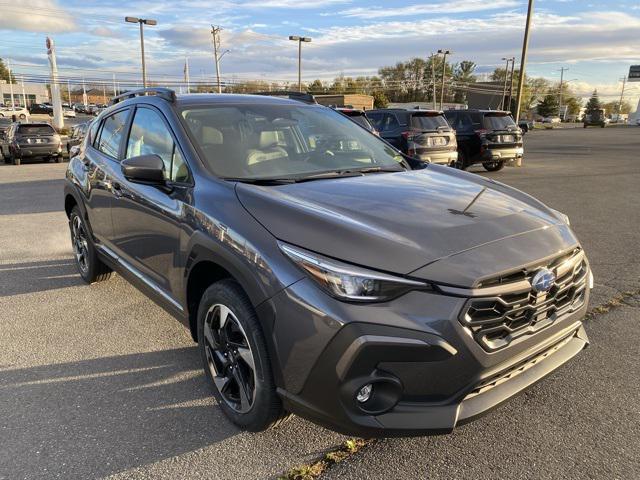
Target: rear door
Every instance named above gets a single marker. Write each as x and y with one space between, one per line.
101 159
147 219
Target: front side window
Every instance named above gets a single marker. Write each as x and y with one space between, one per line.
150 136
111 133
283 141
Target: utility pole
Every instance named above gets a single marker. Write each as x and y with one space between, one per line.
115 89
215 33
13 103
523 60
24 97
104 93
562 70
69 92
513 65
84 93
624 82
504 88
444 73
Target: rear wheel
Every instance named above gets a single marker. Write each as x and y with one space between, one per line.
235 358
13 159
461 163
493 166
91 268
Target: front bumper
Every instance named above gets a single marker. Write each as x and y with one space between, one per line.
429 373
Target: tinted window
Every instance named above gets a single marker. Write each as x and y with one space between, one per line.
428 122
150 135
389 122
92 132
498 122
35 130
111 133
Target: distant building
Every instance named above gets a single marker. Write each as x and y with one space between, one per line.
353 100
33 93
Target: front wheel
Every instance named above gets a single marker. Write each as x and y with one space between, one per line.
235 358
461 163
493 166
91 268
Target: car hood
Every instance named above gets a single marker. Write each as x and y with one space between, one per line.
400 222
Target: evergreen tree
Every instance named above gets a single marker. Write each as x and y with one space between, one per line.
548 107
594 103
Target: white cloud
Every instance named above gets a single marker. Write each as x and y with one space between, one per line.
36 16
456 6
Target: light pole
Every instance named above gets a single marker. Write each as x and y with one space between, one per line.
523 61
513 66
141 22
444 71
298 39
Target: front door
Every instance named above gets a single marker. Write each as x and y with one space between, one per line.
147 219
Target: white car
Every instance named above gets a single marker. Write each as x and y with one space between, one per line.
68 112
19 112
551 120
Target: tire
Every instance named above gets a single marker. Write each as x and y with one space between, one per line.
59 158
461 163
493 166
13 159
90 267
237 342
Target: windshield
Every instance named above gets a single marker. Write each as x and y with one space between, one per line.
498 122
428 122
36 130
283 141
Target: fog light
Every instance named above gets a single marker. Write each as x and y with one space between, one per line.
364 393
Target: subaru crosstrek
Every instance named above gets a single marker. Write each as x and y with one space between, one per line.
318 272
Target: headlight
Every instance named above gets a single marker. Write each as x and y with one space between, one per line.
561 216
347 282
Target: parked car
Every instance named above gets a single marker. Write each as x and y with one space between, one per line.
69 113
5 124
551 120
41 108
19 112
358 116
321 278
76 136
596 118
32 140
423 134
489 137
526 125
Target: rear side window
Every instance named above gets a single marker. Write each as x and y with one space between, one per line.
111 133
428 122
498 122
35 130
150 135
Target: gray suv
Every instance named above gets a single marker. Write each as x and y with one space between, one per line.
321 272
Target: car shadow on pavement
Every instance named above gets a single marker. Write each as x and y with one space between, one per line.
92 418
28 277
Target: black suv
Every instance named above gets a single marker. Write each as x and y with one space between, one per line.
489 137
358 116
32 140
319 274
422 134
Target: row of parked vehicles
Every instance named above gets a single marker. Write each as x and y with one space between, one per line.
459 138
68 110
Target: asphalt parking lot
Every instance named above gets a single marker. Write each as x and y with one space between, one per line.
98 381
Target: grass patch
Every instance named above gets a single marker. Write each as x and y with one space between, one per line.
313 470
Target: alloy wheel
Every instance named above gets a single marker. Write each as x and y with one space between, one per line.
230 359
80 243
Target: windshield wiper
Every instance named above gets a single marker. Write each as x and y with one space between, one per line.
347 173
261 181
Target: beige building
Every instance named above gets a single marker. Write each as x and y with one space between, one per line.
353 100
33 93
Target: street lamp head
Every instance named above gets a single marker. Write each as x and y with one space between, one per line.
150 22
146 21
295 38
305 39
131 19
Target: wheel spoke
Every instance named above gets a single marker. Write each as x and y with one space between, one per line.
245 397
224 315
247 357
221 383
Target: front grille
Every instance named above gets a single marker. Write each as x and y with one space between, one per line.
496 320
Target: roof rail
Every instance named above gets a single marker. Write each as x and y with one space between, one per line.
299 96
165 93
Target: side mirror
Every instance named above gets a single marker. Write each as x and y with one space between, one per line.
147 169
73 151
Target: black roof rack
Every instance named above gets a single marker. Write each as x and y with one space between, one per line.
165 93
299 96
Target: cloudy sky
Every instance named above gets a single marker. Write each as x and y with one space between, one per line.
597 40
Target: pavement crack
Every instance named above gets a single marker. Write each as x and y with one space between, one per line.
615 302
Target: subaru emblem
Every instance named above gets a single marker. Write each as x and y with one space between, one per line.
543 280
